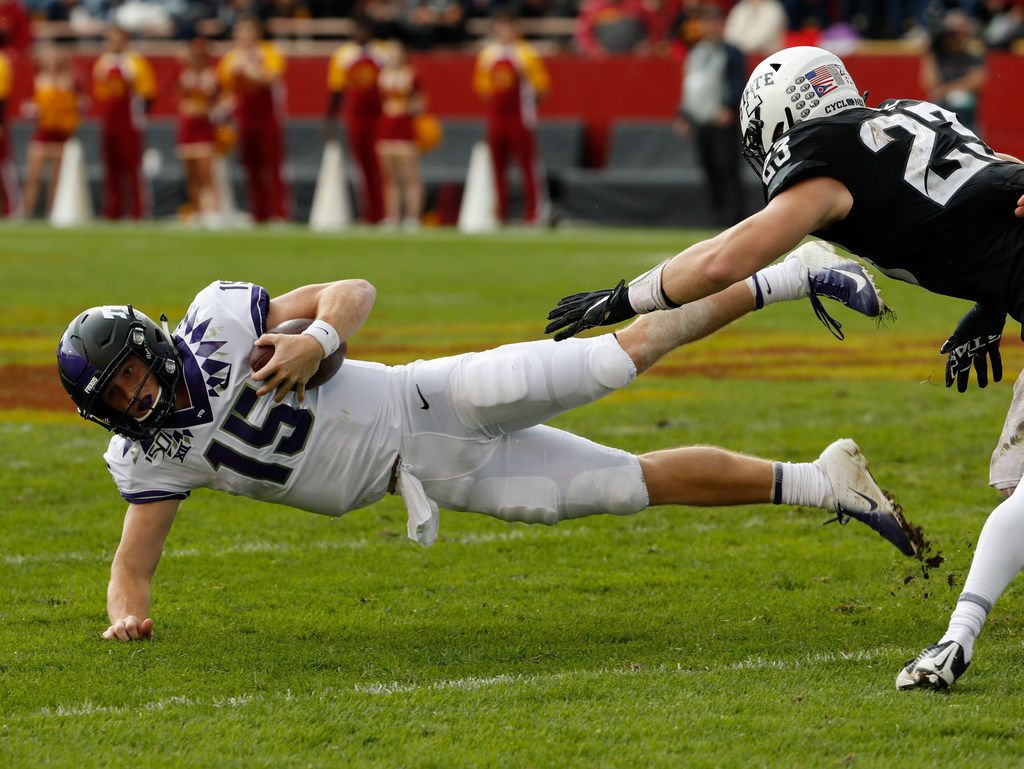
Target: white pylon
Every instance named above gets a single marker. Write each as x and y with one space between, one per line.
478 211
72 203
331 210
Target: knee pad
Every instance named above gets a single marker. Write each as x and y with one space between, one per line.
583 370
617 490
523 499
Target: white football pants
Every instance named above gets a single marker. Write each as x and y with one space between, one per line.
472 431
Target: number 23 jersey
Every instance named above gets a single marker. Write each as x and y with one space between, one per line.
331 454
932 205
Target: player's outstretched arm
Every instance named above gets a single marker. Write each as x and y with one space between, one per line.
342 306
142 543
711 265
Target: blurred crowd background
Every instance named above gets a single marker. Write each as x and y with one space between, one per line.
81 68
594 27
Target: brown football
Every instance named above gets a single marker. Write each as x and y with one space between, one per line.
328 366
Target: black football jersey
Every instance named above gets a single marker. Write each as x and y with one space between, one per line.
932 205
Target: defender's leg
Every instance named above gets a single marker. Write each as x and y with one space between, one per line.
998 558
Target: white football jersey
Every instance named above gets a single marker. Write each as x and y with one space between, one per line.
331 454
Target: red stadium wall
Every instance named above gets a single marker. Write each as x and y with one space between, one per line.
600 91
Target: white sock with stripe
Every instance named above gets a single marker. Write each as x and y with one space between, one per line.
779 283
800 483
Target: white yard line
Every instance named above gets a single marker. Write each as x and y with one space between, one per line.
282 548
390 688
817 659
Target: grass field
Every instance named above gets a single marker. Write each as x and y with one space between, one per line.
741 637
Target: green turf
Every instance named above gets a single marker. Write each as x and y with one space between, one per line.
742 637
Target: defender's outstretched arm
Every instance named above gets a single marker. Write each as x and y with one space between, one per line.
712 265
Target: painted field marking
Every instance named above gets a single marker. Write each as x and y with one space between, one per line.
280 548
473 683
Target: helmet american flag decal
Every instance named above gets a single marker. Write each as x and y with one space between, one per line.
824 79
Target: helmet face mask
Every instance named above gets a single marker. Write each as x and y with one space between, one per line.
788 88
93 350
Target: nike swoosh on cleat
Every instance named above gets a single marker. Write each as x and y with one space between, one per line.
869 500
859 280
940 663
425 405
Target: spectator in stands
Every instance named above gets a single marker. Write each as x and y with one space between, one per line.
663 15
52 10
511 78
55 106
953 70
402 98
123 86
434 23
332 9
250 75
197 95
15 26
806 15
1005 24
230 12
714 75
352 80
685 30
757 27
615 26
385 16
10 202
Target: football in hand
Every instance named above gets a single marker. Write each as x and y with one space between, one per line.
328 366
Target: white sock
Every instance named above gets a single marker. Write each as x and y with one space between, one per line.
779 283
801 483
997 560
967 621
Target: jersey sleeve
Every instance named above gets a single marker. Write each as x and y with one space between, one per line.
536 72
244 306
145 79
273 60
140 481
336 71
225 71
798 156
6 77
482 72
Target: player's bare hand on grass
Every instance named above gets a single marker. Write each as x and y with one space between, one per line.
589 309
130 628
974 343
296 358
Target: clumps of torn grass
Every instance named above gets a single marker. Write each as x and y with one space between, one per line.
926 555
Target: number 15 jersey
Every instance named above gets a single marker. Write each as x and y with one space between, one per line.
932 205
331 454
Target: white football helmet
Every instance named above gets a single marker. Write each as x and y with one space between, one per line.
788 87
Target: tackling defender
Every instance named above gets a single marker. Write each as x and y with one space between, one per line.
907 187
461 432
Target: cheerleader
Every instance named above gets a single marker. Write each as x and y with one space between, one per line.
402 98
56 106
197 89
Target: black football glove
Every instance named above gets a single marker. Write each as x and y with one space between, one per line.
589 309
975 338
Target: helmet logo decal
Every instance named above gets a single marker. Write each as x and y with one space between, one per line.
116 311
